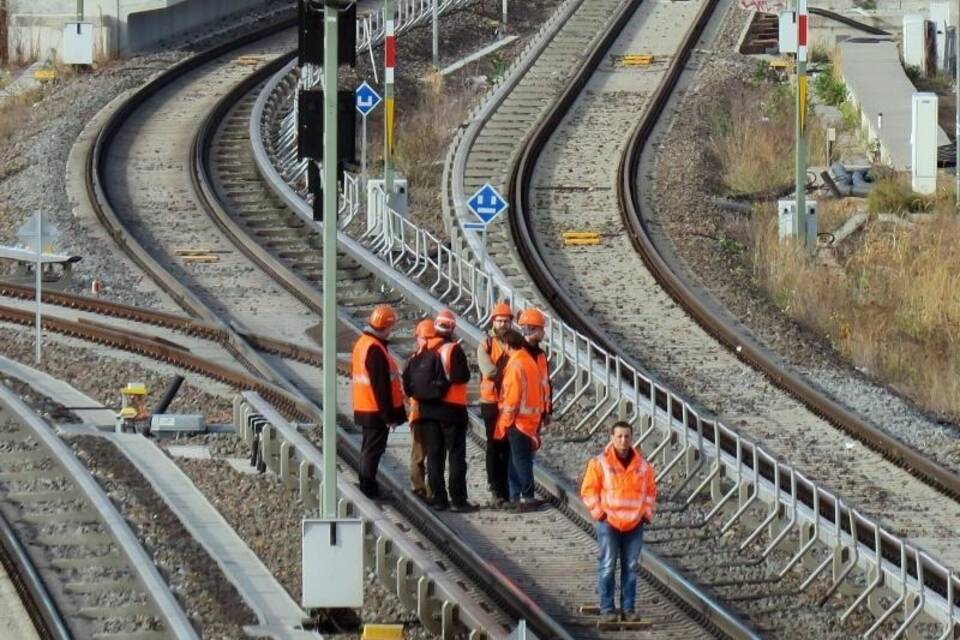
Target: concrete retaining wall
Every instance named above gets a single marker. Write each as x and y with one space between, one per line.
35 27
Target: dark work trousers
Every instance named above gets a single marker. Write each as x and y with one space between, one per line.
373 445
446 443
521 465
498 454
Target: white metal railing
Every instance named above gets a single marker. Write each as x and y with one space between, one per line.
675 433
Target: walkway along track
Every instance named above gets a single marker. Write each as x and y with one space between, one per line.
458 608
82 569
751 471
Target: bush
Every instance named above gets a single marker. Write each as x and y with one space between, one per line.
893 194
830 88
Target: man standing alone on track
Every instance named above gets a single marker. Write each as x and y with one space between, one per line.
377 394
521 409
492 357
619 488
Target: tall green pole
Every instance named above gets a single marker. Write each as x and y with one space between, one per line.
800 215
390 57
330 66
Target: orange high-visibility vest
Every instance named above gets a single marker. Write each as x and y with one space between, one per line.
546 391
626 496
364 400
496 351
521 399
457 393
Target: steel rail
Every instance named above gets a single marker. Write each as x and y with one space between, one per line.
29 585
561 493
471 615
142 566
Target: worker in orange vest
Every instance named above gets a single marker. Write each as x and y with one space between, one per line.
425 334
533 327
377 394
492 357
519 421
446 431
619 488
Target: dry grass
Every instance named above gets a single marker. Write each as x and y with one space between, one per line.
16 113
752 140
892 308
3 32
425 125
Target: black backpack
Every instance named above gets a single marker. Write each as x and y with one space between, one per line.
424 378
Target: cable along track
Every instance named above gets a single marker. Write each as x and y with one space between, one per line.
758 489
101 581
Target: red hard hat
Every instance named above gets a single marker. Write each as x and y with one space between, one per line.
425 329
501 309
532 318
445 321
383 317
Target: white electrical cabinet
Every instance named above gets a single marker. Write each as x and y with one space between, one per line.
332 562
915 42
400 193
785 211
940 17
923 142
78 43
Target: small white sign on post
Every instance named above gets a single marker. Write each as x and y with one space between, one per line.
78 43
39 238
332 563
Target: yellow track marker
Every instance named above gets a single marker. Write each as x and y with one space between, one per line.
580 238
636 60
382 632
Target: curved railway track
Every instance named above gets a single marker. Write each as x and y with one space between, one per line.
240 299
910 508
83 572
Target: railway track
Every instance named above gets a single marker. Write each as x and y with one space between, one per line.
82 571
241 299
859 478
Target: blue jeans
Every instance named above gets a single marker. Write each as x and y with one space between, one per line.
623 546
520 465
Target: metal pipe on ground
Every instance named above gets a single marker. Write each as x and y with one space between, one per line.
169 394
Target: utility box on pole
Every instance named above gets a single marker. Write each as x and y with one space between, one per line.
785 212
400 194
787 41
940 17
332 564
923 142
915 42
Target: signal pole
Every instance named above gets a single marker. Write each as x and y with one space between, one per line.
800 213
390 59
330 193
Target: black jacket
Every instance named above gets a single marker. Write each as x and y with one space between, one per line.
444 412
379 370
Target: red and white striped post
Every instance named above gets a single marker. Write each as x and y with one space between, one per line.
390 61
800 213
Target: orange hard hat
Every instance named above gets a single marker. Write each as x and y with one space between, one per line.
445 321
501 309
425 329
382 317
532 318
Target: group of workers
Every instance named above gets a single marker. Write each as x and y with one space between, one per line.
431 394
618 487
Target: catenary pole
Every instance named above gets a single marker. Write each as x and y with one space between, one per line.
956 122
436 35
390 59
800 214
330 66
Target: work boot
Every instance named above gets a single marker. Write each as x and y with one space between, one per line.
527 505
630 616
463 507
609 617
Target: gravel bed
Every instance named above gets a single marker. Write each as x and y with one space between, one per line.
682 208
101 373
244 499
37 155
210 601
